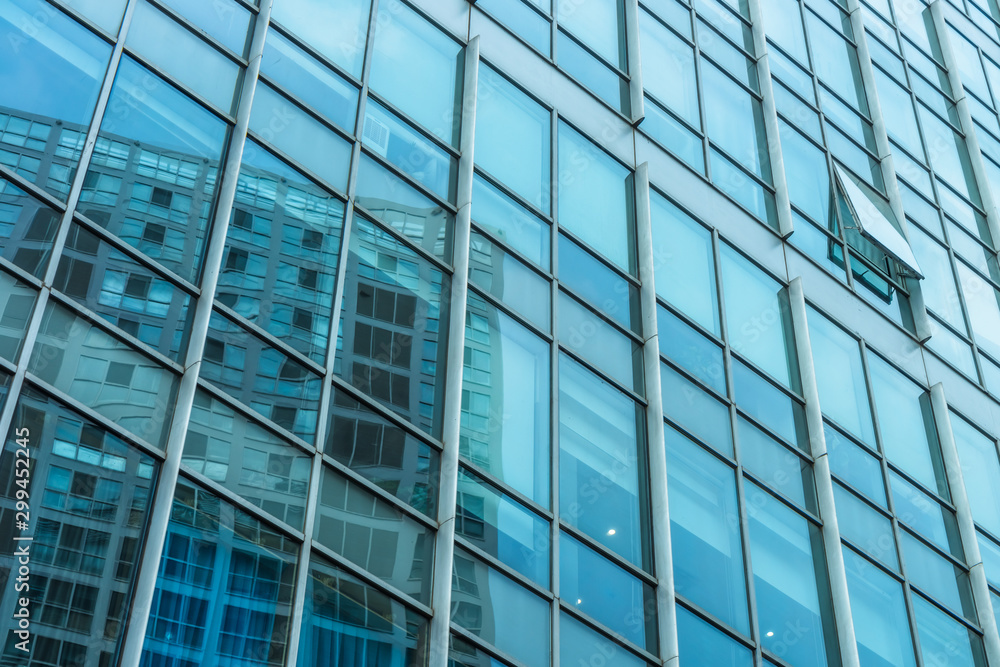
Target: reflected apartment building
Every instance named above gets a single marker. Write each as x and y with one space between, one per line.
507 333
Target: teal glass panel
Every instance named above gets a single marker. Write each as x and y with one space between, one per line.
943 639
513 224
776 466
684 263
496 271
707 646
505 400
695 410
980 470
866 528
601 474
672 81
595 198
855 465
609 594
336 31
691 350
513 138
705 531
578 643
880 618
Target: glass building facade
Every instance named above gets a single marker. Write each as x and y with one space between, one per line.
524 333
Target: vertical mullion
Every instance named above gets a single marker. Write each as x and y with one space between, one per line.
554 381
966 526
451 430
655 440
836 570
162 501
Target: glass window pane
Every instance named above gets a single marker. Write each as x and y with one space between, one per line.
672 81
300 136
693 409
879 611
870 531
599 285
125 293
596 24
227 592
502 527
938 287
768 404
906 425
598 342
498 272
48 47
684 263
394 333
513 140
179 147
990 552
757 318
840 377
685 346
385 454
776 465
707 646
374 535
309 79
595 198
980 470
106 14
981 300
789 586
855 465
734 121
263 377
807 175
401 206
951 157
943 639
183 56
511 223
17 302
500 611
276 207
226 21
105 374
601 477
529 24
784 27
337 31
579 644
705 531
935 576
505 400
416 68
607 593
27 229
926 516
345 618
897 109
836 63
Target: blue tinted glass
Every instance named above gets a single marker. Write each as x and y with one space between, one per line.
240 455
27 229
691 350
840 377
578 644
513 137
382 452
768 404
599 285
309 79
401 206
183 56
374 535
783 21
511 223
935 576
295 133
866 528
500 611
17 301
105 13
127 294
782 546
345 618
705 531
287 293
879 611
595 198
416 67
990 552
600 471
596 24
672 81
807 176
598 342
498 272
528 24
692 408
836 63
393 340
684 264
337 31
855 465
607 593
107 375
503 528
734 121
225 586
707 646
226 20
263 377
605 82
943 638
674 136
776 465
505 400
926 516
154 132
48 47
395 140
